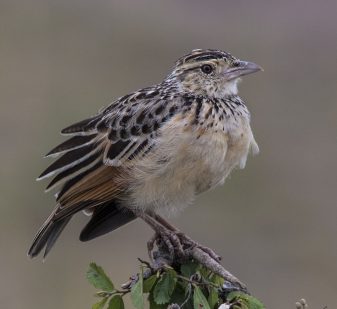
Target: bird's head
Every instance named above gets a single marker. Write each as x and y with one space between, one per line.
211 72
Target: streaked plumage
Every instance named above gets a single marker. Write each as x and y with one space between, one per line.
153 149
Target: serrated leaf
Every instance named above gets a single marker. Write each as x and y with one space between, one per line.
164 287
97 277
189 269
199 299
116 302
153 304
246 300
100 304
149 283
213 297
137 293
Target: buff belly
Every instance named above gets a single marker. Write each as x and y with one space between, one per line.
184 165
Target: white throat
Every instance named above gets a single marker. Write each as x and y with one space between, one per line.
230 88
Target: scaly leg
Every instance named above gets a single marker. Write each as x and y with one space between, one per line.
169 237
184 239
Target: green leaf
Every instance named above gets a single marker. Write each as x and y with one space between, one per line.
116 302
100 304
153 304
97 277
219 281
137 293
165 286
149 283
199 299
178 296
213 297
204 272
245 300
189 269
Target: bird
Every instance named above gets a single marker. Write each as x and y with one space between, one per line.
151 152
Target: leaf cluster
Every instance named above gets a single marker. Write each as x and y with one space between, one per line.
187 286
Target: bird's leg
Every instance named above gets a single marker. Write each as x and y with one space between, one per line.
169 238
163 222
184 239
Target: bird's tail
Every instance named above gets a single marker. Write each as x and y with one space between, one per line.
106 218
47 235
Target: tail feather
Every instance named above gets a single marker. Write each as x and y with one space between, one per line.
54 235
105 219
47 235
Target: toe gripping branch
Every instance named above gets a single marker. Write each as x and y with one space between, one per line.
170 247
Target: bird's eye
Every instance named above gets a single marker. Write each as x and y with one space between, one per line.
207 68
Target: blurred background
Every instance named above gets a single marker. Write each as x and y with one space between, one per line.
274 222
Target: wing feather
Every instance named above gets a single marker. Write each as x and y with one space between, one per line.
76 179
93 165
75 170
82 127
95 188
71 144
70 159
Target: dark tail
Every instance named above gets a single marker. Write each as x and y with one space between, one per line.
106 218
47 236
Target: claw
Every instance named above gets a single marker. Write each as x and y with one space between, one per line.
150 246
179 246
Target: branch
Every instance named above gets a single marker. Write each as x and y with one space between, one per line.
211 264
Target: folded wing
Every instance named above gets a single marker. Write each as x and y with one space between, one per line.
92 166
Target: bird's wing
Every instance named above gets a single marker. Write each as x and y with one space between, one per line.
92 165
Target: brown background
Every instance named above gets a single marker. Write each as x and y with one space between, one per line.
274 223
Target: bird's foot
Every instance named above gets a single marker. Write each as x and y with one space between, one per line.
169 242
179 245
176 247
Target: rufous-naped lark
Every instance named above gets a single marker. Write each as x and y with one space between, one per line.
152 150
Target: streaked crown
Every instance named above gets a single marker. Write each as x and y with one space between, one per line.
211 72
201 55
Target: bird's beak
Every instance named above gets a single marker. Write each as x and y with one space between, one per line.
242 68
